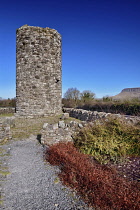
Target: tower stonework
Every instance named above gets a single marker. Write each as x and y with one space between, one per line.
38 72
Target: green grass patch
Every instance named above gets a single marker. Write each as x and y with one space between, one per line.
111 140
24 127
7 115
4 173
2 150
4 155
69 119
1 200
56 180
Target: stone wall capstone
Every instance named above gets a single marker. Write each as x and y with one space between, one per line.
38 72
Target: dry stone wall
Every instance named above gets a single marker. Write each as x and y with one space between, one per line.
64 131
7 110
5 124
38 72
89 116
59 132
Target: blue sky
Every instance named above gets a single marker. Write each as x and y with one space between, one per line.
100 42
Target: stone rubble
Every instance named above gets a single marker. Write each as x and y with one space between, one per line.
61 131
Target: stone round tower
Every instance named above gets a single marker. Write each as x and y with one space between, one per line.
38 72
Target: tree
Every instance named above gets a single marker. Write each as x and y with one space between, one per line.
107 98
87 95
72 93
8 102
71 98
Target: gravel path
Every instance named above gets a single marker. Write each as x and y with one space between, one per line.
33 184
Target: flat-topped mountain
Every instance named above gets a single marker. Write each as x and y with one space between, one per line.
128 93
131 90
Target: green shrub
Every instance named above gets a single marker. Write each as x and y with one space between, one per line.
110 140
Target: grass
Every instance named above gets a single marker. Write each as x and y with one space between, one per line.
56 180
25 127
1 200
99 185
4 155
4 171
4 141
67 120
2 150
7 115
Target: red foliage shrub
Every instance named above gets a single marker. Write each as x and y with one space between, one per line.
99 185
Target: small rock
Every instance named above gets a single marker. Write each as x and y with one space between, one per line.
80 125
55 126
61 124
56 205
45 126
64 116
73 123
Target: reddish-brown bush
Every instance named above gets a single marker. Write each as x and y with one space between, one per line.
99 185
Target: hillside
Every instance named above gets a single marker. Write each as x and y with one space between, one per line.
128 93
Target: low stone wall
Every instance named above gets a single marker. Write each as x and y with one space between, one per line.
89 116
64 131
7 110
5 124
61 131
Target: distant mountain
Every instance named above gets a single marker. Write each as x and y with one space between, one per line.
128 93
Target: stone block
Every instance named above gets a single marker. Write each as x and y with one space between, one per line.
45 126
64 116
61 124
55 126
